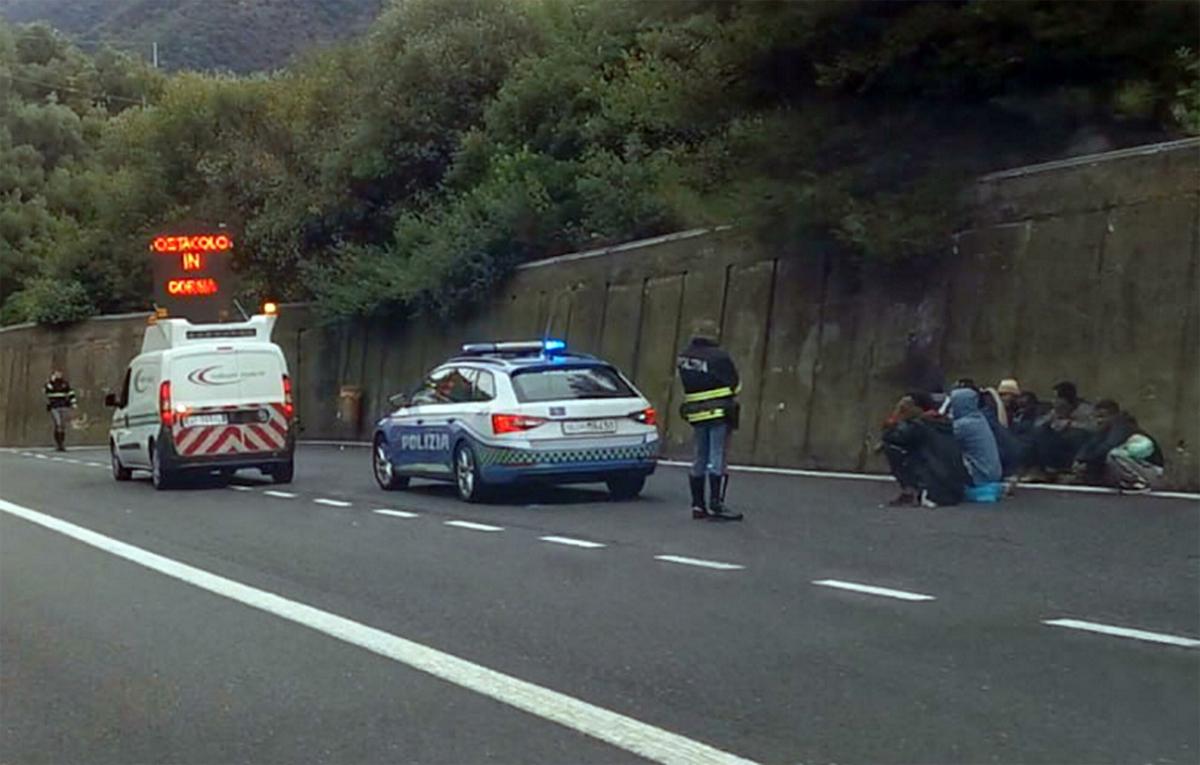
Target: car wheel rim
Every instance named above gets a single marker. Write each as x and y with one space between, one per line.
155 471
116 464
383 467
466 473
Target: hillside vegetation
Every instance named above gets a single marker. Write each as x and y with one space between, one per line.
411 169
232 35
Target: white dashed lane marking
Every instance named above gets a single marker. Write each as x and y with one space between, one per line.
236 487
571 542
332 502
873 590
699 562
473 526
395 513
1125 632
280 494
632 735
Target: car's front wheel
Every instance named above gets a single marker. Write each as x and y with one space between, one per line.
466 475
626 487
384 470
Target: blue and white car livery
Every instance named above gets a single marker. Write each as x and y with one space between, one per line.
504 413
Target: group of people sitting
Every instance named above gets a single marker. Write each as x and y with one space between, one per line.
977 443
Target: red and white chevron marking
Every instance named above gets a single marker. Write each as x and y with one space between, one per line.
211 440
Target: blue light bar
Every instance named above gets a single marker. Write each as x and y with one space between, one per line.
553 346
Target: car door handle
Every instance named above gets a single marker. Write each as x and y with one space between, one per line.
450 421
420 422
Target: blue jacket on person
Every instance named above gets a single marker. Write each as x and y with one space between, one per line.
975 438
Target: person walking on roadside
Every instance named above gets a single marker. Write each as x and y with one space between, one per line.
60 399
710 385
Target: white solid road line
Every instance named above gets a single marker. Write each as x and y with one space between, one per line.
280 494
1125 632
238 487
629 734
40 456
396 513
872 590
333 502
699 562
571 542
473 526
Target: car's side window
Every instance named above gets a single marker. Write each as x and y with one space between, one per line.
485 386
124 400
450 385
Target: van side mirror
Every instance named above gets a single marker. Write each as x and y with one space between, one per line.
111 400
398 400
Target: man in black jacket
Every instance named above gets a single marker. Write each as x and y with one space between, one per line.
710 385
1110 456
59 401
923 454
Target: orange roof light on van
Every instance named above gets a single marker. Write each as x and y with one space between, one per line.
270 308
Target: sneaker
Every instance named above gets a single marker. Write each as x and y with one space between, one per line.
699 513
925 501
903 500
1136 488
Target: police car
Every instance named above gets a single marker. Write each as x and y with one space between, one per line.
518 412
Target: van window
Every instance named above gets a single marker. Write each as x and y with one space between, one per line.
124 399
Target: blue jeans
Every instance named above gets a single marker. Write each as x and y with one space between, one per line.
710 440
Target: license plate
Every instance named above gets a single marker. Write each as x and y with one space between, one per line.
197 420
578 427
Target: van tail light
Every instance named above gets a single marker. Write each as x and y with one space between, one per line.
288 407
165 412
514 423
648 416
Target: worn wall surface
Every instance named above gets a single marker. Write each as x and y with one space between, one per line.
1084 270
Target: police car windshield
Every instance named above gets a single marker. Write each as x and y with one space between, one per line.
559 383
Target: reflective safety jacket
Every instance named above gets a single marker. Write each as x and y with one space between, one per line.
710 383
59 394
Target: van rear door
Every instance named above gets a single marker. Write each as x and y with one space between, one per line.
261 417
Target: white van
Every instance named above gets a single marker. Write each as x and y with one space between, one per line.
204 398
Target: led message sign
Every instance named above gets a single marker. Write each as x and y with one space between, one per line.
191 266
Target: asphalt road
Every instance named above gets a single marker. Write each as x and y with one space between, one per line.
731 647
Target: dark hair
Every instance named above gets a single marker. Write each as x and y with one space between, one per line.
922 400
965 382
1108 405
1066 390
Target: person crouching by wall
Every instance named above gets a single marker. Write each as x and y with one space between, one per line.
923 454
1120 453
980 453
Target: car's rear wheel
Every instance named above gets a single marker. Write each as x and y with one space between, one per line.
466 475
626 487
161 476
385 472
283 472
119 471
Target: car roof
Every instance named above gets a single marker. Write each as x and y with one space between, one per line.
512 362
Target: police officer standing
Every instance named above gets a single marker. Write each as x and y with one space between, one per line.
59 401
710 386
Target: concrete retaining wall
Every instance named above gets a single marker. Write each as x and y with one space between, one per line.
1084 270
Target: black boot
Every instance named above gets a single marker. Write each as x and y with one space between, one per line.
716 505
697 486
59 437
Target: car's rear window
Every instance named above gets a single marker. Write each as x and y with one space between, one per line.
559 383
